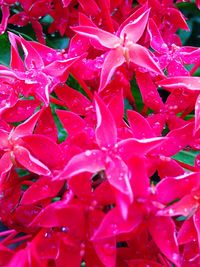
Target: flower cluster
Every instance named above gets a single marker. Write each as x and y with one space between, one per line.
91 136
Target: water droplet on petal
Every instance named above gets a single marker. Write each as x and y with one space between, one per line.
114 228
175 256
164 46
171 211
47 234
64 229
88 153
49 57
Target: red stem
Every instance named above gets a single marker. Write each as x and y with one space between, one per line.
187 166
19 239
106 14
8 232
144 110
195 68
83 85
56 101
8 238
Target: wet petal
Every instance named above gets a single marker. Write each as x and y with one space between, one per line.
135 28
190 83
106 131
106 39
113 59
23 156
163 228
140 56
88 161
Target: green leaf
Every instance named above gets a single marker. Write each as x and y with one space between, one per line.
22 172
4 49
137 95
62 134
26 32
186 156
57 42
55 199
181 218
46 20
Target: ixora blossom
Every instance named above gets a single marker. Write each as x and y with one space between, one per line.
35 76
99 141
15 144
123 45
32 12
110 156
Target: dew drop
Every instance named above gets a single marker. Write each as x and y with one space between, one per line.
171 211
185 210
2 195
64 229
175 256
164 46
88 153
49 56
47 234
114 228
82 252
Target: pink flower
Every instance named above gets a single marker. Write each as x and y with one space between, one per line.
36 76
171 56
122 46
14 151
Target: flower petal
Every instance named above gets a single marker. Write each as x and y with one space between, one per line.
196 220
186 206
176 140
26 127
88 161
187 232
170 188
163 228
71 121
4 135
135 147
90 7
149 91
139 125
5 165
42 189
32 59
73 99
134 29
141 56
137 14
16 62
114 224
113 59
46 125
106 39
21 111
119 178
23 156
190 83
197 115
156 40
59 67
106 131
61 214
45 150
